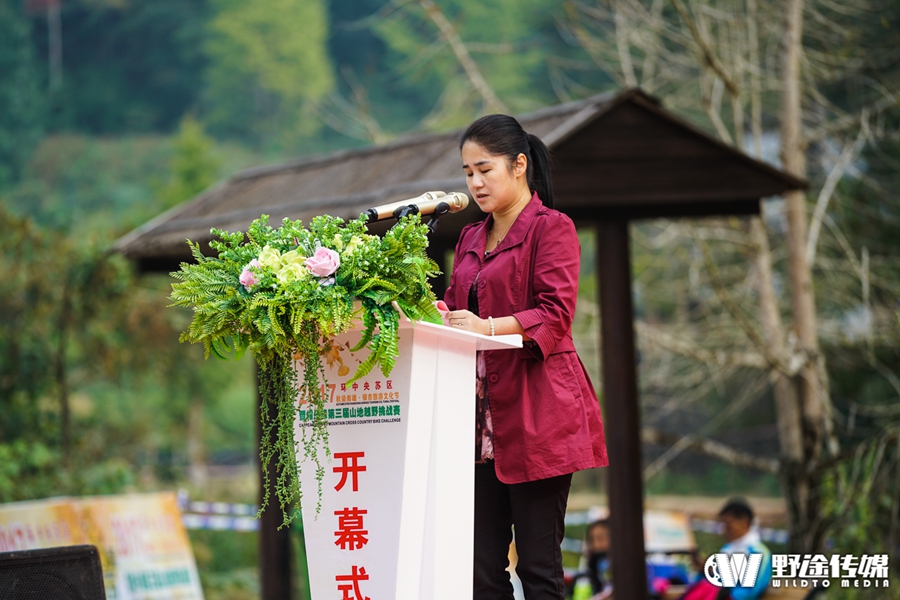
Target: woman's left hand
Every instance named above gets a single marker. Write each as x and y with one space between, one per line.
463 319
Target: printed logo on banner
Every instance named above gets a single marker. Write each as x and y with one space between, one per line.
733 570
365 401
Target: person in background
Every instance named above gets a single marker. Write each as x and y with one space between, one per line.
741 536
594 576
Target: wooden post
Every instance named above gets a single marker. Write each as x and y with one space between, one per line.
274 545
623 419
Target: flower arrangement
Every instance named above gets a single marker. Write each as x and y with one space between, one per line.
283 293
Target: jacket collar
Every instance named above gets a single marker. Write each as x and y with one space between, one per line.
517 232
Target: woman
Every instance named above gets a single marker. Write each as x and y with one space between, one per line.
538 419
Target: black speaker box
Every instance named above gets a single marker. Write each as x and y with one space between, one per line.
67 573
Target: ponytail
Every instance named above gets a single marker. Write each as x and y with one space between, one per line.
503 135
540 165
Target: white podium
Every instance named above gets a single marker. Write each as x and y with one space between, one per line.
396 517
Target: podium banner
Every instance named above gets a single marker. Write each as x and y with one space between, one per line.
397 511
353 540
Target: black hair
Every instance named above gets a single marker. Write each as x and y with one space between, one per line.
503 135
737 508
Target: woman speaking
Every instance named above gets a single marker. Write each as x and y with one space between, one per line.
537 416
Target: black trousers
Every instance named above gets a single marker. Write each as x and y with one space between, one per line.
537 510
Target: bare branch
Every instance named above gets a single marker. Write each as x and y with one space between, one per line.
653 336
774 361
708 447
708 56
837 172
623 47
462 55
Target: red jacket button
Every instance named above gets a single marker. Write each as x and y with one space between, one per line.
493 378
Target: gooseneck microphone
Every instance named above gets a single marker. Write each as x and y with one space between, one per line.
437 203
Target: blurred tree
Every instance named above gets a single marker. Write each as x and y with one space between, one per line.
129 66
21 100
91 374
52 291
433 65
194 168
822 75
269 62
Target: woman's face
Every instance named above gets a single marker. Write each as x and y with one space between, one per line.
493 182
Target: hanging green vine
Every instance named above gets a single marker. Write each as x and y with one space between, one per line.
283 293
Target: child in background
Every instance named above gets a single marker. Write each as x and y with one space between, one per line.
593 578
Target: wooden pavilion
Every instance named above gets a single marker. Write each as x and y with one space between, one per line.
618 157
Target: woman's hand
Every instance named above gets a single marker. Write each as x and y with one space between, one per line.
463 319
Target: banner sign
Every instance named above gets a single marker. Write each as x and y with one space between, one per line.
353 539
144 548
397 504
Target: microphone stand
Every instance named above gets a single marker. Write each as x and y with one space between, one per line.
411 209
441 210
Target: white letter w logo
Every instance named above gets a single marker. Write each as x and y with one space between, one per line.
735 570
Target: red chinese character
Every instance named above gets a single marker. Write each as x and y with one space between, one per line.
350 529
343 387
353 467
390 384
378 385
359 574
365 385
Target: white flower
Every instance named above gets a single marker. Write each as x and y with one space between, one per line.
291 272
270 257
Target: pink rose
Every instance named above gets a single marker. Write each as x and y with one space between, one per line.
247 278
324 262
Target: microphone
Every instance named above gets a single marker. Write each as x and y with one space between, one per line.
438 203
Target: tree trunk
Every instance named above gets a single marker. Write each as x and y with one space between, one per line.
62 376
808 535
787 408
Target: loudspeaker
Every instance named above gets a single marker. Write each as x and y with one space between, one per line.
67 573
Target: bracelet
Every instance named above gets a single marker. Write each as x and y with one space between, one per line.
491 321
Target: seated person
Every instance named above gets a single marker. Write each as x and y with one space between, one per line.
593 576
743 538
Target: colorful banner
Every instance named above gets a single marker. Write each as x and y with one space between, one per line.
39 524
143 545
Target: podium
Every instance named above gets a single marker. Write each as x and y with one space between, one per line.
397 504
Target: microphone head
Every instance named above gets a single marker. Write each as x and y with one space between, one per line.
457 201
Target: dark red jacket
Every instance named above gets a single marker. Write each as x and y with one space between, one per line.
545 413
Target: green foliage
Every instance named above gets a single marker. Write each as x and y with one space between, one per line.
21 103
32 469
268 63
193 166
128 66
263 294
